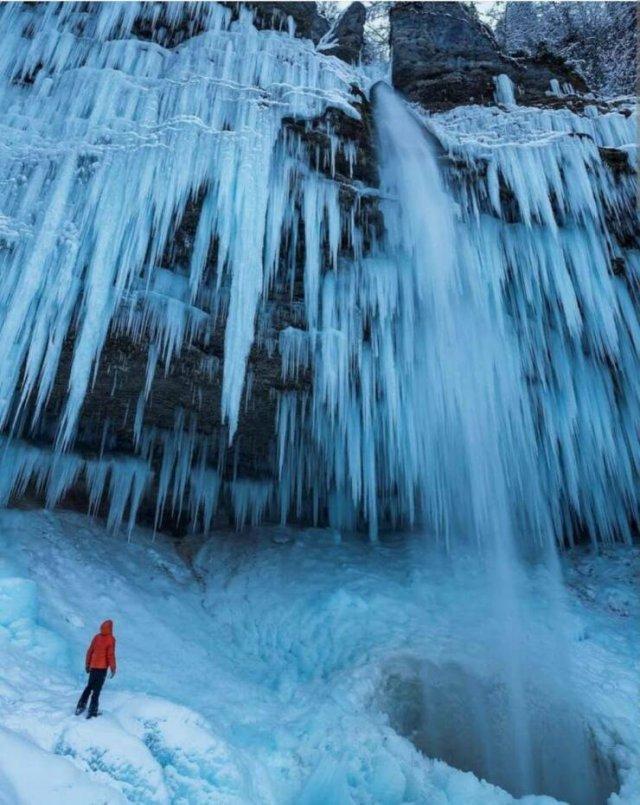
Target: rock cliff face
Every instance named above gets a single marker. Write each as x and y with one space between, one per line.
171 26
444 56
309 23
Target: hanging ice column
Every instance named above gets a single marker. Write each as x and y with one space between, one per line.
554 228
206 116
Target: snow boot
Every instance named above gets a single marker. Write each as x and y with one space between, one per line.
80 710
92 715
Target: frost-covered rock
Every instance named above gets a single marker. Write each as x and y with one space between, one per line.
346 36
444 56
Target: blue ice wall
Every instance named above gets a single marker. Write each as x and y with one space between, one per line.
106 138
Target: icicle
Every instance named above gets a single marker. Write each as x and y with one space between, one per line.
554 88
250 500
55 474
505 90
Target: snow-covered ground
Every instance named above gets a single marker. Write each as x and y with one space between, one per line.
274 666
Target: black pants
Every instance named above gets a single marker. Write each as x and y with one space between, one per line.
94 686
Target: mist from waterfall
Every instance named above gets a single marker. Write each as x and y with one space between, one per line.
481 490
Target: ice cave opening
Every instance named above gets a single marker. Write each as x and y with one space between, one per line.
453 714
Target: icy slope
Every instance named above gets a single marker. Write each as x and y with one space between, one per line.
276 671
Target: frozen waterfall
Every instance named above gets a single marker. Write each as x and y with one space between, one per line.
432 318
112 136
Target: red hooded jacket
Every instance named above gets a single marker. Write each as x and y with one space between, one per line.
102 651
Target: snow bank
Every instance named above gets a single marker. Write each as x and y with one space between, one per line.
28 775
262 673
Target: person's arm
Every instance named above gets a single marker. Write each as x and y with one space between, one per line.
87 661
111 656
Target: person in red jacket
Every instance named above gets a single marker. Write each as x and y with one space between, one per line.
101 655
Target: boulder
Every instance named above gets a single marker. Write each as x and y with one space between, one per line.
346 36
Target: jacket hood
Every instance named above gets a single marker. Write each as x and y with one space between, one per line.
106 628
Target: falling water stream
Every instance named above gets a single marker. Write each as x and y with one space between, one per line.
479 451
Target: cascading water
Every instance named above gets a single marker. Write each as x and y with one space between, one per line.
479 450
